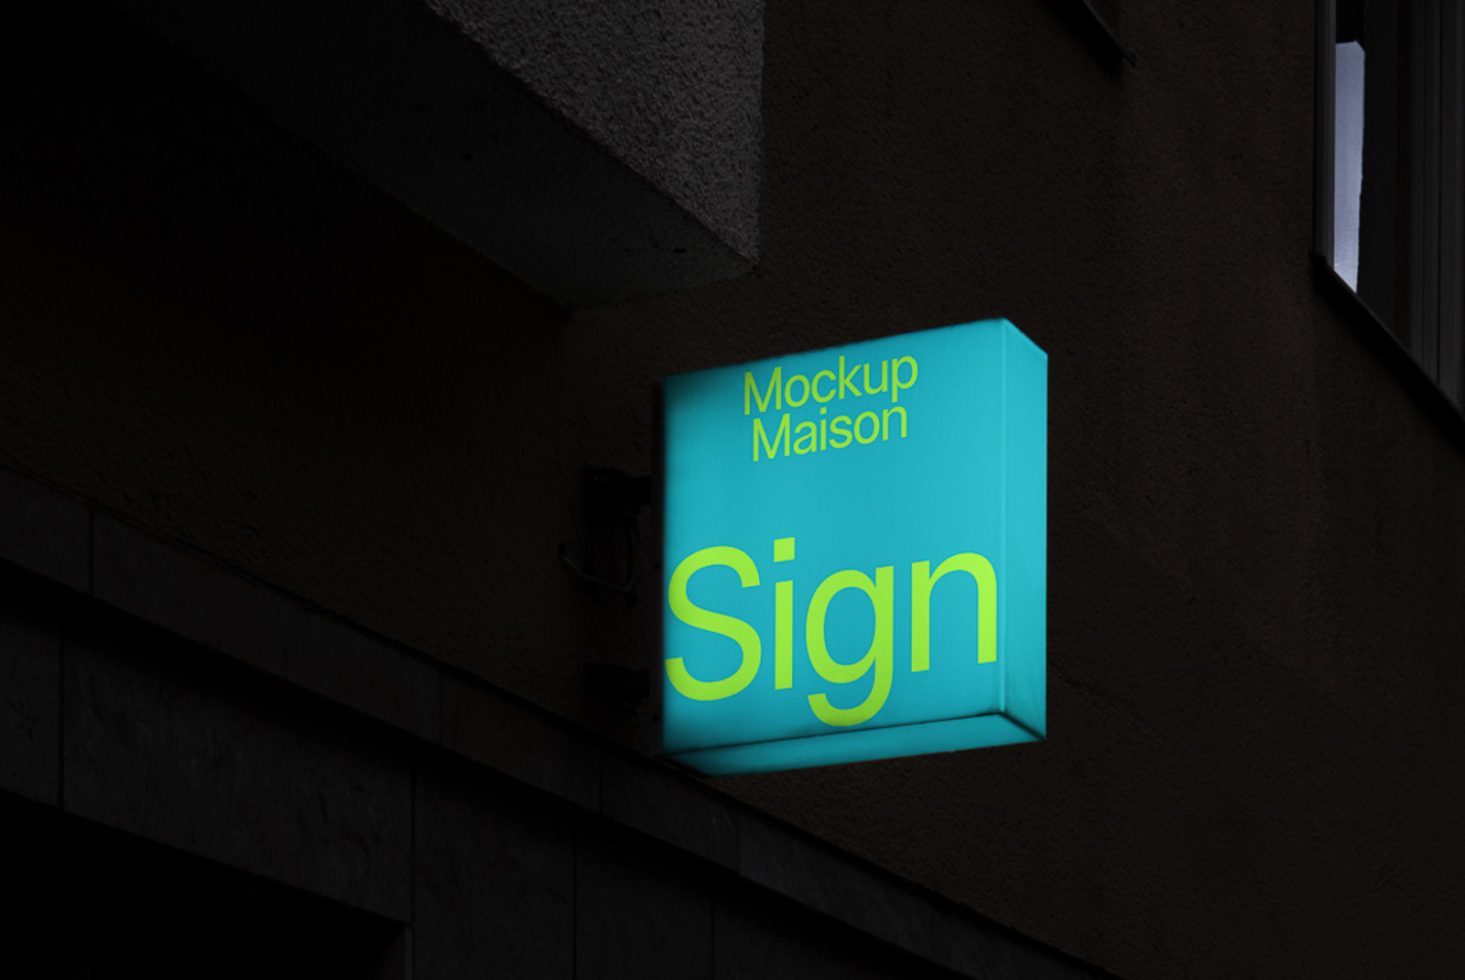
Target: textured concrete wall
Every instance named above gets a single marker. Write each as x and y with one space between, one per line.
1256 548
598 151
671 88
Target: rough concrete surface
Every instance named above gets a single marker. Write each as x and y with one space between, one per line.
672 88
599 151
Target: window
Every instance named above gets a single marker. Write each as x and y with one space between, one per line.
1391 175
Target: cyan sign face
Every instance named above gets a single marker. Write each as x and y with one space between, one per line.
855 547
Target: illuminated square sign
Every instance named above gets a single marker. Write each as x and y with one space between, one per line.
855 549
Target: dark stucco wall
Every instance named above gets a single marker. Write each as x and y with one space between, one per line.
1256 538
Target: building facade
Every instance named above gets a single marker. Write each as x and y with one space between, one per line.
329 597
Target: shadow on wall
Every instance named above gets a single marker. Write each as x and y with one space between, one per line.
214 328
82 902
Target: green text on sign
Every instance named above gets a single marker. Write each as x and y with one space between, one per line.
855 552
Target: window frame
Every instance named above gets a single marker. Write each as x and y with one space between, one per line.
1430 309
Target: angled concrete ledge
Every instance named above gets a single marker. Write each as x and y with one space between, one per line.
598 151
520 743
165 669
30 689
167 749
660 803
186 595
44 531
